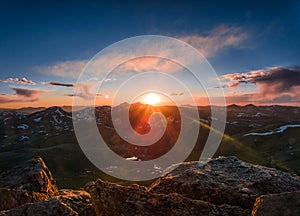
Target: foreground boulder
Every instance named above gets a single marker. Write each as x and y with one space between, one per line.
51 207
32 176
30 188
111 199
30 182
69 202
225 180
11 198
287 204
223 186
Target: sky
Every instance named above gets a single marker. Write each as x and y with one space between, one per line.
253 46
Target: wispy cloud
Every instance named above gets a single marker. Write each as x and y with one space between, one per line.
220 38
22 95
149 63
22 81
85 90
210 44
70 68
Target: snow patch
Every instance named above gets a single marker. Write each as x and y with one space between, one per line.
23 126
58 121
133 158
204 120
59 112
275 131
37 119
23 138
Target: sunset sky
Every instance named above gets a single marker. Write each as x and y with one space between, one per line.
253 47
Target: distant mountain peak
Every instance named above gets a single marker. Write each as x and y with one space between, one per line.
250 105
233 106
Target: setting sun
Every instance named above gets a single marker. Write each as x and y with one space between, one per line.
151 99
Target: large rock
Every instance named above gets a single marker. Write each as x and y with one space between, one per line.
11 198
79 200
32 176
287 204
32 182
225 180
111 199
51 207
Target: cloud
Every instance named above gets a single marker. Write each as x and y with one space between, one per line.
26 92
274 85
70 68
148 63
177 94
84 90
220 38
22 95
22 81
283 78
61 84
210 44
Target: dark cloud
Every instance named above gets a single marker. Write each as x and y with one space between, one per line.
21 95
275 85
27 92
283 78
70 95
61 84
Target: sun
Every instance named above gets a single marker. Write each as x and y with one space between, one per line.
151 99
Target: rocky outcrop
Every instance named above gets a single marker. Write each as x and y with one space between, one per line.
11 198
287 204
27 183
70 202
32 176
79 200
51 207
112 199
30 188
223 186
225 180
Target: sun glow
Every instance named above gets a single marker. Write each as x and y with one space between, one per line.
151 99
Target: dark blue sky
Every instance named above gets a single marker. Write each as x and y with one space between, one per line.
37 34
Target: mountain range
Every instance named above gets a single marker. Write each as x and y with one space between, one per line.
265 135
